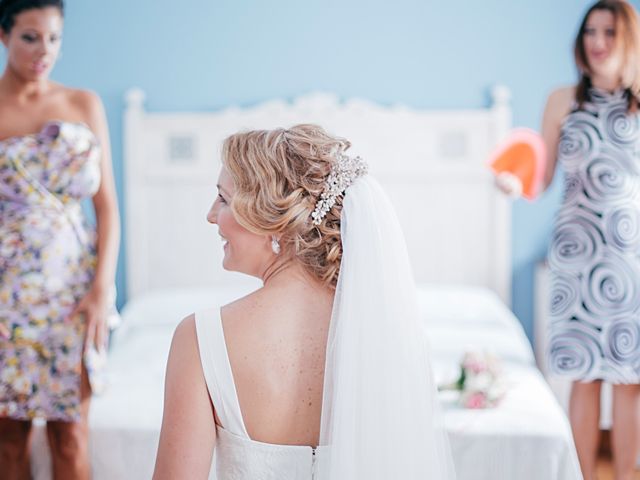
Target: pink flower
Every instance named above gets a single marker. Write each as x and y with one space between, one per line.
474 362
480 383
476 400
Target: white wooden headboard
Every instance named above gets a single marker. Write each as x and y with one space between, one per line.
432 163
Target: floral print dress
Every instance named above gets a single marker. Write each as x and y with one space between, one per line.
47 262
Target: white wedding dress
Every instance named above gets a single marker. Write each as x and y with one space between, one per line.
236 456
380 414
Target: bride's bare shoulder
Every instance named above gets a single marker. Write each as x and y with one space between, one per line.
246 307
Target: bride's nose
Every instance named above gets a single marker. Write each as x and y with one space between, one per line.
212 215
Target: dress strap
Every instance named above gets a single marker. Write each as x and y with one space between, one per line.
217 371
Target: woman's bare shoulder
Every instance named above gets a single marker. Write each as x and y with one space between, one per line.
258 314
185 333
86 101
561 99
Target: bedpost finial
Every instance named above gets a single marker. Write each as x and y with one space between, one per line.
135 98
500 95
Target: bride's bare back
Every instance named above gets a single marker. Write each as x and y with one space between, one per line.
276 340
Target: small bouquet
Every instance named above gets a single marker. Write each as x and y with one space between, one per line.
480 382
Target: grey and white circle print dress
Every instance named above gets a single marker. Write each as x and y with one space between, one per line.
594 255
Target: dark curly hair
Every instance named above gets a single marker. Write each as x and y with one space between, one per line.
10 8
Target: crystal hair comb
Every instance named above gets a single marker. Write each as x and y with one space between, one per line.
343 173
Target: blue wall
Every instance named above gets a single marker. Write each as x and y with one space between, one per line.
206 54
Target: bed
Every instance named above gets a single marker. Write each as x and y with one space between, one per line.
432 164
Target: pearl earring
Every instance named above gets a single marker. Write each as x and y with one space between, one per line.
275 245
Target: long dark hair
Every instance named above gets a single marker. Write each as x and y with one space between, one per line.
627 39
10 8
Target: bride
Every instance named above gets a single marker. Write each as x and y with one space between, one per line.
323 373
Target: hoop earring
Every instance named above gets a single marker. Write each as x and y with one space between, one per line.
275 245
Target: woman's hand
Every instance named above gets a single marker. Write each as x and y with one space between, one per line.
509 184
93 308
4 332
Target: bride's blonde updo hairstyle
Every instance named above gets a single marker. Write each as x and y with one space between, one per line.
279 176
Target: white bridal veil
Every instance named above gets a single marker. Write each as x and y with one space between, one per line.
380 409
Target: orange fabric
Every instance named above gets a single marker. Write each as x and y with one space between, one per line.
523 155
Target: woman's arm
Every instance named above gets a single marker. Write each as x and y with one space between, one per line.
188 433
95 304
557 108
104 201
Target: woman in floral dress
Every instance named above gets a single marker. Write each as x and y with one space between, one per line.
56 271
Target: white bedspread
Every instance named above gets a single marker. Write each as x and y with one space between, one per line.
526 438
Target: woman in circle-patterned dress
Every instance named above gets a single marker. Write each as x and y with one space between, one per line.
592 130
594 256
